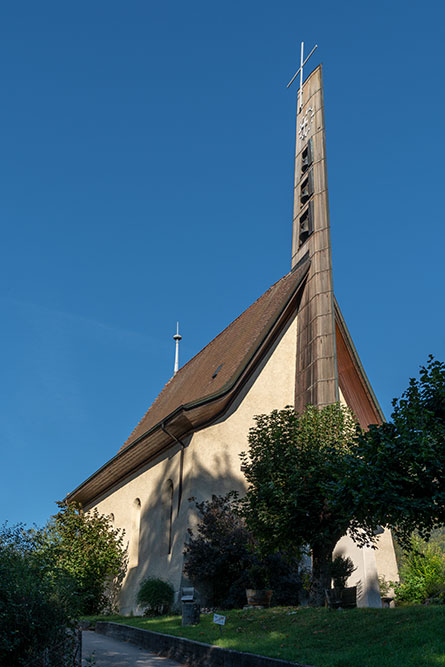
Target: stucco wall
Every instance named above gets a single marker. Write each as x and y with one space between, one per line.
211 466
370 563
385 557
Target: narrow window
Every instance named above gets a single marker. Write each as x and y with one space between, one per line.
167 502
306 157
306 228
306 189
134 536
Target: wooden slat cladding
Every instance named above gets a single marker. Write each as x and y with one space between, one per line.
354 386
316 378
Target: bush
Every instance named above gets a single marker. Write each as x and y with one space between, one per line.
216 556
277 572
222 558
422 574
156 596
37 605
285 578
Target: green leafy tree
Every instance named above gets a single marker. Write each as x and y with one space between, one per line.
86 547
398 470
294 470
36 610
315 476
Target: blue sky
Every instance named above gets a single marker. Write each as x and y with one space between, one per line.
146 176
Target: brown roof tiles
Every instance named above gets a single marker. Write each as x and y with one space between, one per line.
217 365
203 387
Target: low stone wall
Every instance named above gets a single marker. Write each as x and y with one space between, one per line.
186 651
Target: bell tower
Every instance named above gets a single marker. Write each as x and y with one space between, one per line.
317 377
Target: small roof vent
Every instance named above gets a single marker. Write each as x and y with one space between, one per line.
217 371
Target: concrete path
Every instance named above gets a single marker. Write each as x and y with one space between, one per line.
103 652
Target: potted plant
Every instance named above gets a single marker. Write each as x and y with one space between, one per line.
341 570
258 592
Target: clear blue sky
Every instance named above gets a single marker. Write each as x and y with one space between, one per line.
146 169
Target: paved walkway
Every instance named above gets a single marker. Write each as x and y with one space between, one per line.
104 651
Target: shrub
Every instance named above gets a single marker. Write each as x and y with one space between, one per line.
219 552
37 606
277 571
156 596
422 574
386 587
222 558
285 578
49 577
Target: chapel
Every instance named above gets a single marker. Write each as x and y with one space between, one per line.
290 347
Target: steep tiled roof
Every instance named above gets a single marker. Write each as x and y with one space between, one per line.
202 389
218 365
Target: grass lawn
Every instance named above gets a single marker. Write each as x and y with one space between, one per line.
401 637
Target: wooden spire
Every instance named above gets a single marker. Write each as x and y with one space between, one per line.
317 378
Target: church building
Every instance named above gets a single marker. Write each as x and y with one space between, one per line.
290 347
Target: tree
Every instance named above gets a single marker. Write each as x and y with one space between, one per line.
36 611
222 556
314 477
48 577
87 547
401 465
294 469
219 551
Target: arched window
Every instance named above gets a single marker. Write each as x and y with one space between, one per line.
133 557
167 507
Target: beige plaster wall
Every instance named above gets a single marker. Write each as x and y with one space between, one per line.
211 466
370 563
385 557
365 576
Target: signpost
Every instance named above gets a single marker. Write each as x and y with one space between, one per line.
219 620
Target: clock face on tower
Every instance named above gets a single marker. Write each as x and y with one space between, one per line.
305 123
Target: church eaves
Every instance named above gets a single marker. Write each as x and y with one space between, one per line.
197 394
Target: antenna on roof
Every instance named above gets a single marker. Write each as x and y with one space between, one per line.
177 337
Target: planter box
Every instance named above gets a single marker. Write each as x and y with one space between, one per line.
346 598
258 597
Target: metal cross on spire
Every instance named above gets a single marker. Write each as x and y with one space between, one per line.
300 72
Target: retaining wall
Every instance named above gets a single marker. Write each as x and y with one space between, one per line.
186 651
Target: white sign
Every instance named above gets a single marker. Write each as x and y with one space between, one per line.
218 619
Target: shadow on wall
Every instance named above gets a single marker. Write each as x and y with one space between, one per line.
157 541
216 470
365 576
160 524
